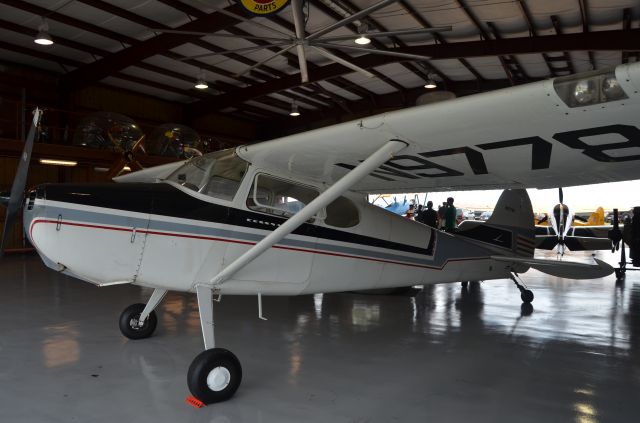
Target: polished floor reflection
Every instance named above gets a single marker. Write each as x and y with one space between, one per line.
446 354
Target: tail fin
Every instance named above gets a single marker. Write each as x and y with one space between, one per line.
596 218
514 212
510 225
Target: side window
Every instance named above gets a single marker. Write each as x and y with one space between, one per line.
279 197
342 213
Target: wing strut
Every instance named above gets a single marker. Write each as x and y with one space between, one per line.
380 156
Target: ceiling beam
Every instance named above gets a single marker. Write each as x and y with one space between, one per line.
558 28
109 65
627 18
439 38
584 17
602 40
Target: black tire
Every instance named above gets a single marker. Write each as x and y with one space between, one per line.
464 284
129 318
526 296
222 361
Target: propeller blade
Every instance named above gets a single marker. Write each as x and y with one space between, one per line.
236 51
257 65
349 19
372 51
388 33
139 143
345 63
216 34
20 181
560 195
116 168
298 21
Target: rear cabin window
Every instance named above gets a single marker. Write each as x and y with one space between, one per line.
216 174
342 213
278 196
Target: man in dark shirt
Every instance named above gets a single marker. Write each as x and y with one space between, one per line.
429 216
450 216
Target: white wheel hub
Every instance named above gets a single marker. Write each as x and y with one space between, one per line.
218 379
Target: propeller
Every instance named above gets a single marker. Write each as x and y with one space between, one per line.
15 199
127 158
560 221
615 234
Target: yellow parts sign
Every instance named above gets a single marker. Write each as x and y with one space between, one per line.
263 7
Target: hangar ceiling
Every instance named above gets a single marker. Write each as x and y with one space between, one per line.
492 44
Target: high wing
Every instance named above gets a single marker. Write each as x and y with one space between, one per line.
575 130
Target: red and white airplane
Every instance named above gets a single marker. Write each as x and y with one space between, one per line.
290 216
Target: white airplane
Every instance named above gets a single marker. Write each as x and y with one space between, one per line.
290 216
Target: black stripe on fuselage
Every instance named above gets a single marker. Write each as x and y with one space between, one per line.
489 234
166 200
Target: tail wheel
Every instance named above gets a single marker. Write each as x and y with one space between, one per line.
129 322
526 296
214 375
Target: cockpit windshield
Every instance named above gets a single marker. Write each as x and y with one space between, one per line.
215 174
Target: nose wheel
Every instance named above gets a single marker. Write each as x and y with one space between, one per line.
138 321
130 322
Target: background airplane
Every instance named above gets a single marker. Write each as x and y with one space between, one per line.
564 232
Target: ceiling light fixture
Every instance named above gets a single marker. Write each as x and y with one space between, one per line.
43 38
201 84
294 110
430 83
59 162
362 40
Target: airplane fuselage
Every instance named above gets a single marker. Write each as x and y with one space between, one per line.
164 235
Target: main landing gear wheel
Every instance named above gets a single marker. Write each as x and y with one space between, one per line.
214 375
526 295
129 322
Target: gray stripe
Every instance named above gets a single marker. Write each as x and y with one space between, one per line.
448 247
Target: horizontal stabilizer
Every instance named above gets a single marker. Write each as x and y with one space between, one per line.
585 243
546 242
563 269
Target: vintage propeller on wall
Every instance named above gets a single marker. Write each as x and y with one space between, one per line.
315 41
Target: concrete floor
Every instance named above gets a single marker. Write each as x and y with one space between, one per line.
445 355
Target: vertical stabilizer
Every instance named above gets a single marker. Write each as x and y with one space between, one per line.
514 212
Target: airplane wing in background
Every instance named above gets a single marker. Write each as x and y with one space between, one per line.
575 130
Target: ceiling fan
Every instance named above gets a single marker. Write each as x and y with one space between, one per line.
314 41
